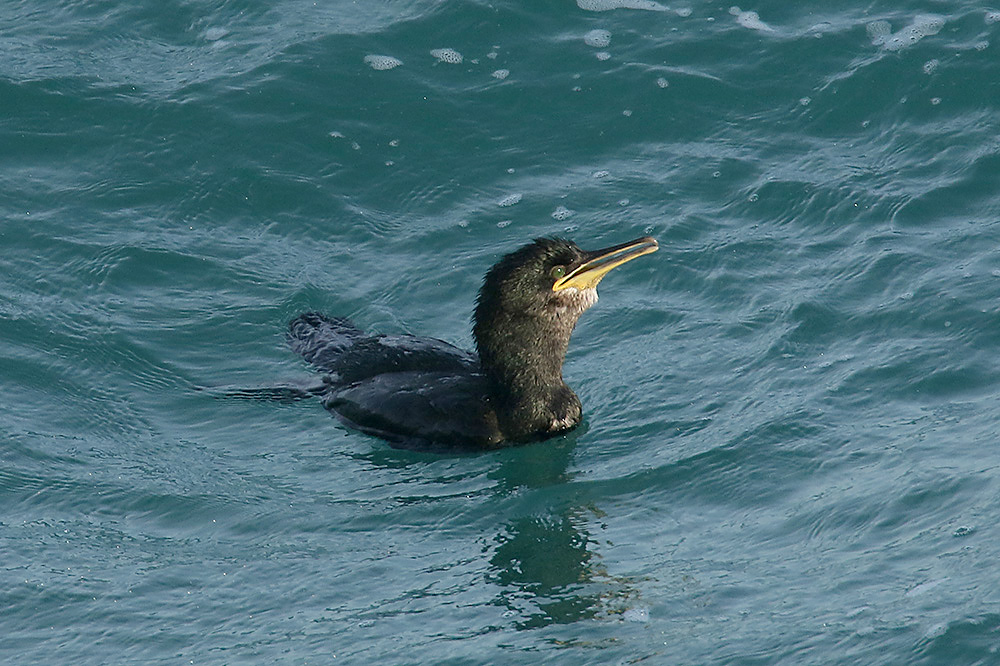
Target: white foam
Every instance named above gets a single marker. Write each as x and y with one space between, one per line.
215 34
878 32
683 12
501 74
923 25
992 17
636 615
450 56
510 200
750 20
603 55
662 82
606 5
597 38
561 213
931 65
382 62
923 588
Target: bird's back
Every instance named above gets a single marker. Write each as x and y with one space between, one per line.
414 392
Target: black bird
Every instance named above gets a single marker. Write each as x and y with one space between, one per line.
427 394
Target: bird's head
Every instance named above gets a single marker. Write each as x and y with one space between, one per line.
551 279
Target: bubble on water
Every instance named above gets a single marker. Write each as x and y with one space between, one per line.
601 174
805 101
683 12
992 17
930 66
603 55
716 174
570 228
463 223
450 56
607 5
935 101
636 615
215 34
662 82
501 74
963 531
337 135
510 200
597 38
627 113
355 145
503 224
492 55
394 143
510 170
561 213
753 197
623 202
981 46
577 89
749 20
382 62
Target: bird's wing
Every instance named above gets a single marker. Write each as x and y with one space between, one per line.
421 410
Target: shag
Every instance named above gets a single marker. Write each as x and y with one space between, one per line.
424 393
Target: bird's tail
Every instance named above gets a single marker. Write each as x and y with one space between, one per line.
321 340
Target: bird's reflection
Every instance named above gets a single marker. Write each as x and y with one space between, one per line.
541 560
544 564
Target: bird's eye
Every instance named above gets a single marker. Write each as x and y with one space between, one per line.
558 272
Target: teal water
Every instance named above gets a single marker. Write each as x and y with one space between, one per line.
792 409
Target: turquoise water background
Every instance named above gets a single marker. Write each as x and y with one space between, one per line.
790 453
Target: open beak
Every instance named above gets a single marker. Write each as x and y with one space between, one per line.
599 263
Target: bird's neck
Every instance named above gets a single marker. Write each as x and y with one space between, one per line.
522 357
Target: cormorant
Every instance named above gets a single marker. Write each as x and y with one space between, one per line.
424 393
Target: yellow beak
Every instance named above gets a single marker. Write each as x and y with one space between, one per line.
599 263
